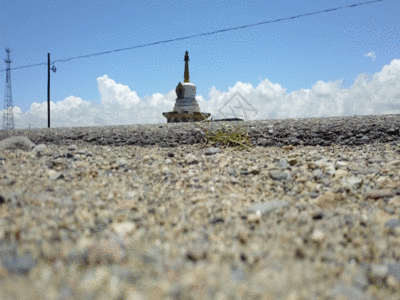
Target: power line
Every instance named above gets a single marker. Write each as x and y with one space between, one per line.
201 34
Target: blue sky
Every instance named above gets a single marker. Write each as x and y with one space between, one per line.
342 62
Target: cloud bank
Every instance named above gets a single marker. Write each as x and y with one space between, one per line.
368 95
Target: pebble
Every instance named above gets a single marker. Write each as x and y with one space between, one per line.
287 222
264 208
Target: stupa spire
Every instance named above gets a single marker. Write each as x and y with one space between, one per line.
186 75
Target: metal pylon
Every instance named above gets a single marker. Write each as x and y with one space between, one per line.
8 117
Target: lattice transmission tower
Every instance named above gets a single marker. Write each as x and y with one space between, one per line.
8 116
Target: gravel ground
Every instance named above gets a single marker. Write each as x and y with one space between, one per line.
351 131
87 220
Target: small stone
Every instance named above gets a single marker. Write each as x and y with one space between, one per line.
321 163
238 274
254 217
375 160
212 150
98 227
382 217
263 142
349 292
40 148
390 210
283 164
341 164
94 279
360 280
317 174
293 140
329 199
393 223
122 162
217 220
290 147
394 201
165 170
341 173
293 296
394 269
196 253
54 175
384 182
318 236
254 171
352 182
395 162
17 142
392 282
376 194
265 207
18 264
135 295
303 217
123 228
191 159
106 251
281 176
292 161
378 272
72 147
364 218
330 170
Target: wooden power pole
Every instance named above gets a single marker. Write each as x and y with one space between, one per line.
48 90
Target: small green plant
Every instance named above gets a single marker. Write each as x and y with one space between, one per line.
227 137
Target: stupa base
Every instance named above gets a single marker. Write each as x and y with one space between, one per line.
184 116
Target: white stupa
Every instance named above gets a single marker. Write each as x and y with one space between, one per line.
186 108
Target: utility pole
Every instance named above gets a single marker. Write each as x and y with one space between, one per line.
48 87
8 116
48 90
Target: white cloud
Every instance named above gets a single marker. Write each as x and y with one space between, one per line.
371 54
390 73
119 105
112 93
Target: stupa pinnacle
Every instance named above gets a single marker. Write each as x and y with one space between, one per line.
186 108
186 75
